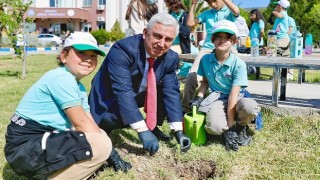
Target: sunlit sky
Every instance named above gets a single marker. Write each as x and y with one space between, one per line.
252 3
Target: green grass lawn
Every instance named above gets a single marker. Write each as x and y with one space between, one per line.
286 148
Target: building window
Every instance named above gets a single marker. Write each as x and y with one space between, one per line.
102 2
87 2
86 27
61 4
101 25
52 3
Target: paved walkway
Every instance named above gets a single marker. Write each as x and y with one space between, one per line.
301 99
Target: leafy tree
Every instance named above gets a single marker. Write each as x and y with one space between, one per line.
310 23
100 35
13 21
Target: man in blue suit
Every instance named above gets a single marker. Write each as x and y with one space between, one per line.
118 88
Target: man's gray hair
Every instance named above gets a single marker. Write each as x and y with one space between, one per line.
165 19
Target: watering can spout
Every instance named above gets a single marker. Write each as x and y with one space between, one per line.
194 111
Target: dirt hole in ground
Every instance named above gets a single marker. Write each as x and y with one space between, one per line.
190 170
165 165
173 169
199 169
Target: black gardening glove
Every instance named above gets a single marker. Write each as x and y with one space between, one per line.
244 138
184 141
196 101
149 141
117 163
230 138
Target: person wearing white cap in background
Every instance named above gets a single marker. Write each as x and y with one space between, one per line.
52 134
281 26
228 113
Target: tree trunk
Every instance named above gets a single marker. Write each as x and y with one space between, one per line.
24 56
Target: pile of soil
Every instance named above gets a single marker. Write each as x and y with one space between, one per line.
168 167
199 169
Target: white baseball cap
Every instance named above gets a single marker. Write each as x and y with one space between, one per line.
283 3
83 41
225 26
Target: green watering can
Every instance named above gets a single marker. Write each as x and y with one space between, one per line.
194 127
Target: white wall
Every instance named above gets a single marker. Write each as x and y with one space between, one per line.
78 4
122 15
42 3
68 3
110 14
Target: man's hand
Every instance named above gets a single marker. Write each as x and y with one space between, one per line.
196 102
149 141
184 141
230 139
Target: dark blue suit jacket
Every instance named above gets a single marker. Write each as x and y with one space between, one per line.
115 87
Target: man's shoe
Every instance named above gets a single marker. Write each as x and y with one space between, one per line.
117 163
160 135
244 139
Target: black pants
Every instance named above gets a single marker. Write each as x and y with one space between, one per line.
27 156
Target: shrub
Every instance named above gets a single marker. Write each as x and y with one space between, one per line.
116 33
101 36
108 36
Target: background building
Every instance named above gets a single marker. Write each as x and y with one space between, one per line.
51 16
